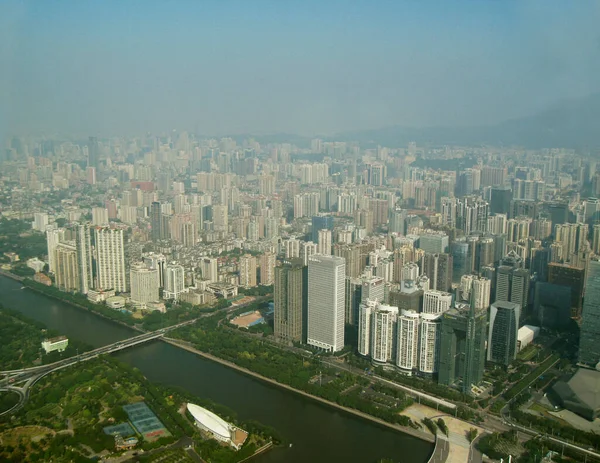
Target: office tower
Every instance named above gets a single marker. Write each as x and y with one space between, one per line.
66 271
558 211
307 249
144 285
552 305
53 237
267 269
462 347
485 252
596 240
247 269
512 285
435 302
209 269
460 259
290 301
93 152
433 243
383 333
438 267
407 341
321 222
503 332
99 216
157 262
84 258
155 220
500 200
324 243
220 218
110 260
174 281
572 277
326 301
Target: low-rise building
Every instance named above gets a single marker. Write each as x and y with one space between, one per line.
59 343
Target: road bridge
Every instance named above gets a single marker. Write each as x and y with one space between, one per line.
20 381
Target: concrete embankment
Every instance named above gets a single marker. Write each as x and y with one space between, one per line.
413 432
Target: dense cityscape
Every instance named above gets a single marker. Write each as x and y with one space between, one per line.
475 281
299 231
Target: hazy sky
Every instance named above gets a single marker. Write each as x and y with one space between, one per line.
309 67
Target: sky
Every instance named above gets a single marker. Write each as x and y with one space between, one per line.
296 66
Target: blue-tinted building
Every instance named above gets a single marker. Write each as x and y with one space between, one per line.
589 347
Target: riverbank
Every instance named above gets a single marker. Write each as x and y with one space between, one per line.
406 430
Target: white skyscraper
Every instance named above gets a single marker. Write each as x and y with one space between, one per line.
158 262
307 249
84 258
144 285
383 326
209 269
292 248
99 216
326 302
364 326
324 245
436 301
53 237
40 221
429 343
481 293
174 281
110 262
407 348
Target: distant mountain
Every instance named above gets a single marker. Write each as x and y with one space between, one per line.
569 124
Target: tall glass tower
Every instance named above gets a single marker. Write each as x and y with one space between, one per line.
589 347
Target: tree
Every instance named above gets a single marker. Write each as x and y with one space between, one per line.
472 434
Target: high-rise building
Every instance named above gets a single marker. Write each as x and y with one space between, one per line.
307 249
99 216
155 220
503 332
40 221
407 343
321 222
512 285
174 281
572 277
326 301
290 299
462 347
438 267
157 262
324 243
436 302
53 237
589 347
433 243
209 269
383 333
247 269
429 343
93 152
66 270
220 218
500 200
144 285
84 258
110 259
267 269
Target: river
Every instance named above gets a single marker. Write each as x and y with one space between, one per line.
318 433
